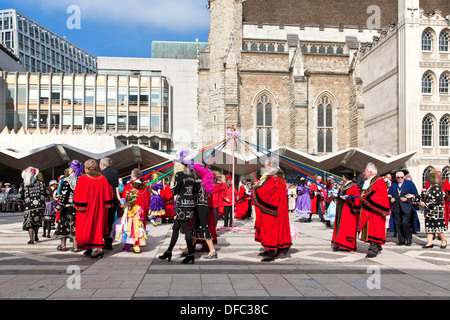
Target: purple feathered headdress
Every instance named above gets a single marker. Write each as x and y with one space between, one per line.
77 167
207 177
185 156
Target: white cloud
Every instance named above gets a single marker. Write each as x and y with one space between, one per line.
173 15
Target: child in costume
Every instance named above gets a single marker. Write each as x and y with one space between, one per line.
157 207
130 229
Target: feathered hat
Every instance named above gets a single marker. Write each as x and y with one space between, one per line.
29 175
77 167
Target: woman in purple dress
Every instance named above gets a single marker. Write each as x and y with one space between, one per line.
303 204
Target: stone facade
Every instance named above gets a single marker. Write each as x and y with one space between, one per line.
256 72
393 67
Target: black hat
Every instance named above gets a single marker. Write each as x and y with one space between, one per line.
348 173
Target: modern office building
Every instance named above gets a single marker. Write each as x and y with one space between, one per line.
41 50
178 62
134 108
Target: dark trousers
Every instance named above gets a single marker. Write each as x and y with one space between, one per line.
186 226
402 222
227 216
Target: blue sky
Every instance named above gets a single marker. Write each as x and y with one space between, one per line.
117 28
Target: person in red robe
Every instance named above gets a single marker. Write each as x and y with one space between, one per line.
228 201
242 204
272 227
446 190
169 204
92 198
317 206
217 197
346 222
374 209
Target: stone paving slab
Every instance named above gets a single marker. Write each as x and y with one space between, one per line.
310 270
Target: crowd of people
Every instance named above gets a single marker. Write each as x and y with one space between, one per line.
92 207
9 198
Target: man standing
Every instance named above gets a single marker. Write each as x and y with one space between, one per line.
92 198
374 209
272 227
347 213
228 202
400 194
113 179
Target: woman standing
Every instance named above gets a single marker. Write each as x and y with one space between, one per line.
292 197
66 224
183 188
33 193
432 200
203 190
303 204
92 198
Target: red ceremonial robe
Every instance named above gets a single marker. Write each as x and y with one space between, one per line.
374 209
315 199
242 203
92 198
347 217
169 204
446 190
272 226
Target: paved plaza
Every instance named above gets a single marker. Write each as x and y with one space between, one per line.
310 270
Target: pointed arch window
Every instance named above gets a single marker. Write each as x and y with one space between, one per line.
264 125
443 41
424 175
444 132
427 132
325 126
427 41
443 84
427 83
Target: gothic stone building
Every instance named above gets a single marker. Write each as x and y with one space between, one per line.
288 72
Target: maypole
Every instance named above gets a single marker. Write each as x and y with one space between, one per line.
232 133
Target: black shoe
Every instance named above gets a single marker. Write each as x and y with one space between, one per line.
189 259
401 243
444 247
428 247
98 255
371 255
408 243
88 252
270 256
334 248
264 253
166 255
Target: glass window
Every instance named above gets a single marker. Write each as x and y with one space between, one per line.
264 122
427 83
424 176
320 141
443 42
427 41
427 131
444 132
443 84
155 121
320 115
